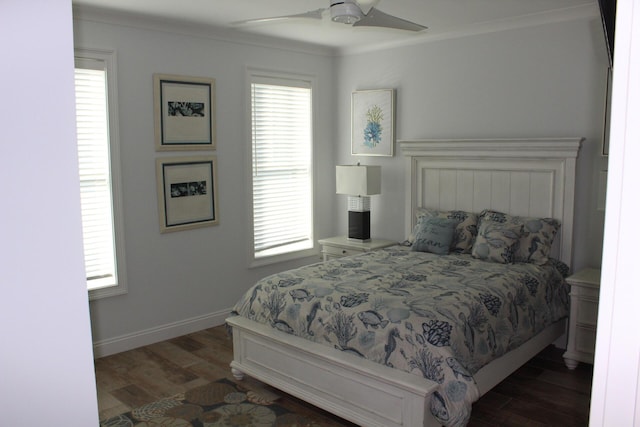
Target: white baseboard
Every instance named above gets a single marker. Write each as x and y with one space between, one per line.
160 333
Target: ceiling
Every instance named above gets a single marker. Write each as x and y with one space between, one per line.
444 18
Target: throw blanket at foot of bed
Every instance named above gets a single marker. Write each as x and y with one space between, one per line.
440 317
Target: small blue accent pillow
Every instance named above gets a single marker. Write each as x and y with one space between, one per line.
434 235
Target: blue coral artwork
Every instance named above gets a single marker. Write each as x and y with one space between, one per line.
373 122
373 129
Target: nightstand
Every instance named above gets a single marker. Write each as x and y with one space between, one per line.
585 290
340 246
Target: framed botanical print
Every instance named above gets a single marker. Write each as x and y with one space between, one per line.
372 122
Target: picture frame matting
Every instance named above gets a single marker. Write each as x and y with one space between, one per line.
187 192
184 112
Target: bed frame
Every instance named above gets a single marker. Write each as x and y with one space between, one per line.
532 177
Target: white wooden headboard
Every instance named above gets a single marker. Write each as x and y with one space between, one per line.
526 177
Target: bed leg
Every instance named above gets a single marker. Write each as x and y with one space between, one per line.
571 364
238 375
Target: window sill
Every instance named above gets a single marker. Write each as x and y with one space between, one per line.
289 256
106 292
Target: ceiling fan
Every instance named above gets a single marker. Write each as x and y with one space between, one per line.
350 12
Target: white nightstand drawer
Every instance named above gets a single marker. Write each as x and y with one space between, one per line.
585 289
340 252
585 339
587 312
339 246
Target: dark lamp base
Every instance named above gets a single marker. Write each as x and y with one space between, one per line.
360 225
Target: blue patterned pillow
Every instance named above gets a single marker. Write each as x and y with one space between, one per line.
496 241
464 233
434 235
537 237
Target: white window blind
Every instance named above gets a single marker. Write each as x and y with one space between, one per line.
96 184
281 149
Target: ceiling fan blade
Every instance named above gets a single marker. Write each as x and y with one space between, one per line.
377 18
313 14
367 5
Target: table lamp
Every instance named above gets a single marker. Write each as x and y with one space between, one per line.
359 182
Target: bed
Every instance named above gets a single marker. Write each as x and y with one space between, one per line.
352 351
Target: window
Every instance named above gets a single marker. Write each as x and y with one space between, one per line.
98 157
281 137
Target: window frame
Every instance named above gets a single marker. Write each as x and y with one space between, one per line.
108 58
288 79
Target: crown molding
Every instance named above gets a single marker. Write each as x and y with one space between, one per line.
587 11
232 35
139 21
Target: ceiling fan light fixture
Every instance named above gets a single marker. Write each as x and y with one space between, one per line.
345 12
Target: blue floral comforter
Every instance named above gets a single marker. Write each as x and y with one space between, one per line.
441 317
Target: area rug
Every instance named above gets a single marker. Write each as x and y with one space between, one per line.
221 403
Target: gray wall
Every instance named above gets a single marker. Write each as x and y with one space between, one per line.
543 81
178 277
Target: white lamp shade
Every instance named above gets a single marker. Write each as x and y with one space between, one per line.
358 180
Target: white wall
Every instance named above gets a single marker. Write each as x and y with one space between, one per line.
543 81
46 361
183 281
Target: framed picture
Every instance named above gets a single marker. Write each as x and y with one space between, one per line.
372 122
187 192
184 112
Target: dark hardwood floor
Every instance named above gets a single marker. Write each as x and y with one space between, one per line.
541 393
